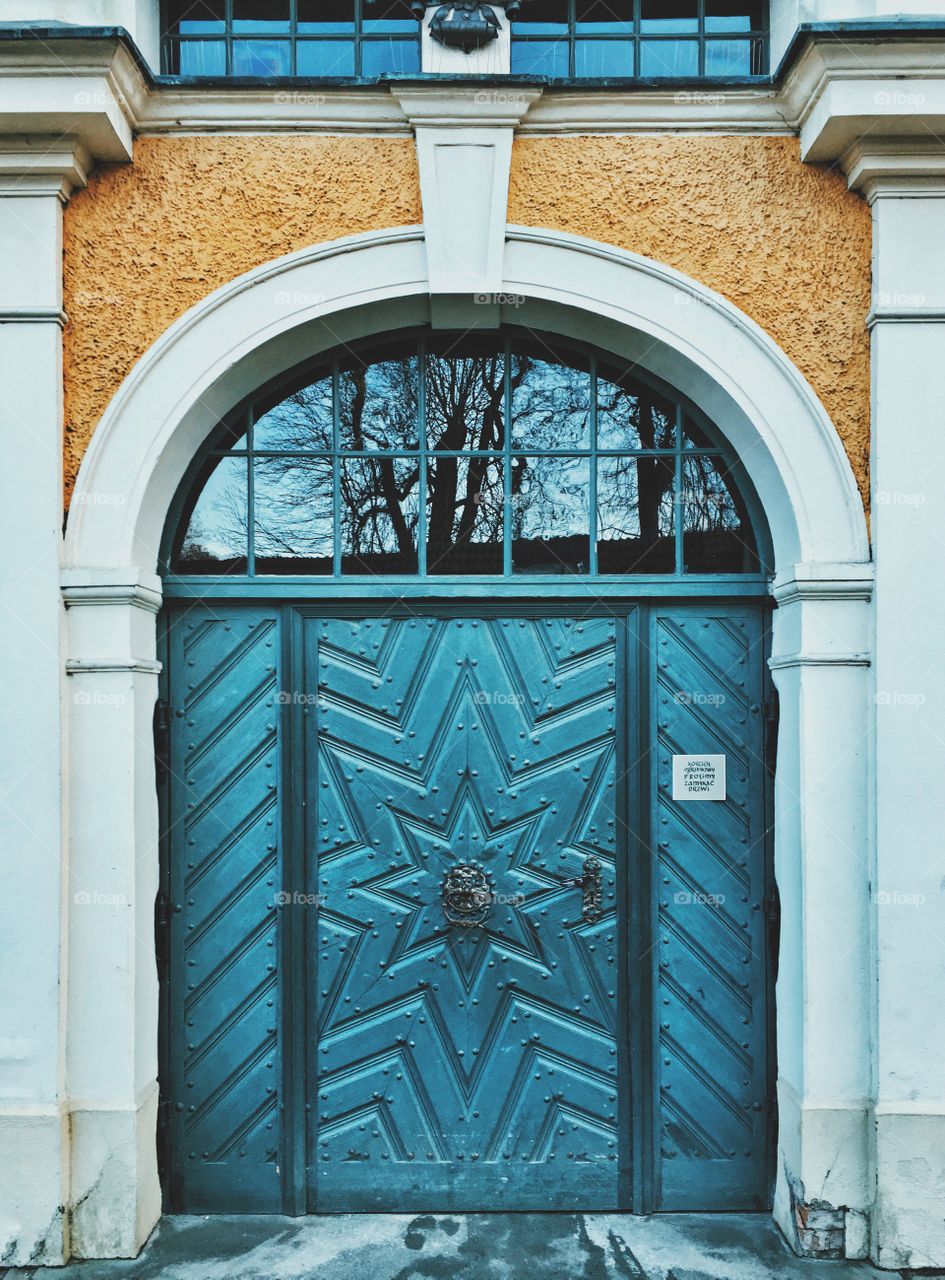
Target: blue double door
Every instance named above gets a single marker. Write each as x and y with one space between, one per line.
435 933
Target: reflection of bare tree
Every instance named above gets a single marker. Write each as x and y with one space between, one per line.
378 409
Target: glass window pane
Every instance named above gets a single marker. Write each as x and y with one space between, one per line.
603 16
542 18
201 58
380 56
733 15
549 500
635 515
465 514
216 534
324 58
551 402
728 58
632 416
465 397
540 58
717 535
184 15
379 506
603 58
378 407
669 58
301 421
694 437
262 58
325 16
389 16
261 17
292 527
665 17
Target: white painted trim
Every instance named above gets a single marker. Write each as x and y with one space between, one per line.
775 421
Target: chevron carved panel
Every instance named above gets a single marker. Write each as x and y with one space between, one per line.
462 1067
223 1091
711 997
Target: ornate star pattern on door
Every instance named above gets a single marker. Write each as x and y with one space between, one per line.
452 1062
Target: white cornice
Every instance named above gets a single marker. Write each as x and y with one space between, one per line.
658 111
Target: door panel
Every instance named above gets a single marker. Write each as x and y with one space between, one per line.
221 1083
711 991
464 1067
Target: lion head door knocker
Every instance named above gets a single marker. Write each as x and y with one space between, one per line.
466 894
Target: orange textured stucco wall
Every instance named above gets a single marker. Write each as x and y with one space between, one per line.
787 242
144 242
782 240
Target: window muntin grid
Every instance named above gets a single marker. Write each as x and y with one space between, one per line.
275 38
564 39
658 39
510 456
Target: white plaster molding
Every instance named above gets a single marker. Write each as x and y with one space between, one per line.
175 111
464 151
899 168
795 456
705 110
89 89
840 90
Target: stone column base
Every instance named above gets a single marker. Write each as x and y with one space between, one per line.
908 1222
116 1194
33 1222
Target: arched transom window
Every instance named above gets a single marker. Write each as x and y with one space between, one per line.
450 455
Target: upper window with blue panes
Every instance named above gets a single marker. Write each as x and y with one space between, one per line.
560 39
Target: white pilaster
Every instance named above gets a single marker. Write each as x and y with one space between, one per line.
34 186
111 687
820 665
906 187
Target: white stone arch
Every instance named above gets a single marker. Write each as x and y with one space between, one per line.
266 322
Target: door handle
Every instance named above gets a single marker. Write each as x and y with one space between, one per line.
591 890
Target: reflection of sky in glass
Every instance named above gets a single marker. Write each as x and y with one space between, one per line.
303 421
551 405
218 524
293 508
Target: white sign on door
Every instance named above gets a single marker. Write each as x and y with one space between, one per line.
698 777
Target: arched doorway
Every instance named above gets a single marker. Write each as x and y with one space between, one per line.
671 327
467 813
